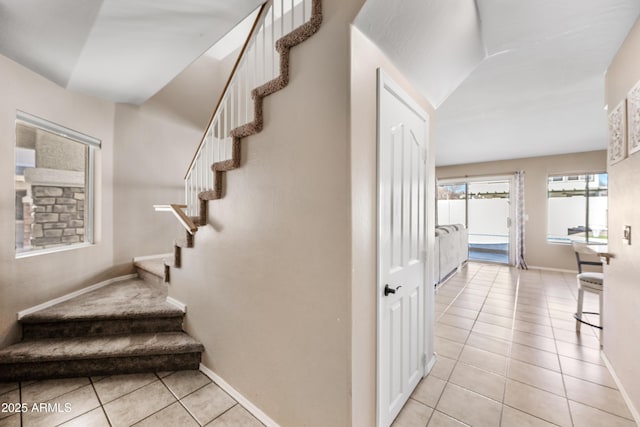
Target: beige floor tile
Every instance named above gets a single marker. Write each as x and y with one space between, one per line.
587 371
428 391
412 415
469 407
207 403
504 312
443 367
584 415
537 357
536 341
484 342
539 403
438 419
462 312
477 380
7 387
600 397
536 376
182 383
451 333
468 305
484 360
586 339
11 421
9 397
447 348
532 309
93 418
236 417
567 325
42 391
457 321
113 387
512 417
495 319
137 405
534 328
79 402
492 330
172 416
534 318
579 352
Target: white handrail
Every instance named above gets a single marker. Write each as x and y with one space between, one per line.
258 63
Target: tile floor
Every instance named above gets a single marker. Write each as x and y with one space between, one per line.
184 398
508 355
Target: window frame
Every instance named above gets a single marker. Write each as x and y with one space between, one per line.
588 178
92 145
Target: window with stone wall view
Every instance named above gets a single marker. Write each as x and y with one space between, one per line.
53 186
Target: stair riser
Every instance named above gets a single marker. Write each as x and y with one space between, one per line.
33 331
91 367
150 278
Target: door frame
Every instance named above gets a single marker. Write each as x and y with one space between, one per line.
383 79
512 206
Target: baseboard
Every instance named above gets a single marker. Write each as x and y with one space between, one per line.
253 409
177 304
79 292
148 257
634 412
431 363
560 270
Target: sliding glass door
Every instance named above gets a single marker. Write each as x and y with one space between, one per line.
484 206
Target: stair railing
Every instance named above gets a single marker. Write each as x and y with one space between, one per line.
257 63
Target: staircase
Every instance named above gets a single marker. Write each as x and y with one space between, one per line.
128 326
262 69
124 327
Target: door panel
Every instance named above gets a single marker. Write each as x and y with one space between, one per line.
402 178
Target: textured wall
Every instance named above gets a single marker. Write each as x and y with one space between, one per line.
621 284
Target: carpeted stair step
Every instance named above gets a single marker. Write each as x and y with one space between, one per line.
85 356
127 307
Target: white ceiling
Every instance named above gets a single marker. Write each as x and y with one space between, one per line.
120 50
534 86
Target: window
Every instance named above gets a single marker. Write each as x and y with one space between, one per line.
577 208
53 186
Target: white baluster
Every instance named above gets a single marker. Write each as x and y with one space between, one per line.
304 11
292 17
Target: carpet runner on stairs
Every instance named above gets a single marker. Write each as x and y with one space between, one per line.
124 327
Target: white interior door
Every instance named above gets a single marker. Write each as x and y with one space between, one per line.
402 178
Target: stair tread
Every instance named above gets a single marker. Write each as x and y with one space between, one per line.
154 266
64 349
128 299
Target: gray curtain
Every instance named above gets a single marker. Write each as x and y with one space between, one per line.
519 200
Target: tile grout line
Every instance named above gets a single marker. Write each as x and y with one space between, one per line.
104 411
555 344
464 344
179 400
513 327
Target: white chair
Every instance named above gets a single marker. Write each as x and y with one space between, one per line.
589 282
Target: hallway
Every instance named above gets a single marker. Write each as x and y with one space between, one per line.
508 355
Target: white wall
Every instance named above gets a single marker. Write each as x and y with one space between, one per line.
29 281
621 286
155 143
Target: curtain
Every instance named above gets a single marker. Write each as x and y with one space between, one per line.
519 201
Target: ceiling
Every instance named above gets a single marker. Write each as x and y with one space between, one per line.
509 79
120 50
